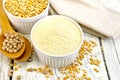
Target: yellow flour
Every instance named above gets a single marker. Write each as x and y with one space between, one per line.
57 36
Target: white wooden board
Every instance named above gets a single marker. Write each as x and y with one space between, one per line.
117 47
4 67
111 59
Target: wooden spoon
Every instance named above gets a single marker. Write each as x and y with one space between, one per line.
6 27
25 50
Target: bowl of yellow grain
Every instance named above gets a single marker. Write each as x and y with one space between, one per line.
24 13
57 40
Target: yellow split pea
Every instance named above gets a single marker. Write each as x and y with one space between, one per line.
26 8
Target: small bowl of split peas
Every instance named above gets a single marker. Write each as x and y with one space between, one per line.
24 13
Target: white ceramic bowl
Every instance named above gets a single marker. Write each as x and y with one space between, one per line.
24 25
56 61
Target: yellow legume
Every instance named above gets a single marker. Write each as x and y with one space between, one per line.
96 70
26 8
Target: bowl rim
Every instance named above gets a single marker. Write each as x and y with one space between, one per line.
54 56
27 18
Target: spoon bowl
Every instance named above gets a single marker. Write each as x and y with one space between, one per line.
11 55
26 53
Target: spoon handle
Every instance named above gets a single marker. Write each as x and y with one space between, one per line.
4 22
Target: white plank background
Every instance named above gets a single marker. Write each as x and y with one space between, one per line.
117 47
111 58
4 67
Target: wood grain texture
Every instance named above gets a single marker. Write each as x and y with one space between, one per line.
117 47
111 59
4 67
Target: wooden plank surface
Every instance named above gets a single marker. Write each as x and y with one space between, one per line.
111 59
117 47
4 67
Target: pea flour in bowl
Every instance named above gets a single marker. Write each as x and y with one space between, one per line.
56 38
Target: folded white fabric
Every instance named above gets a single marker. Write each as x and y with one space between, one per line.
92 14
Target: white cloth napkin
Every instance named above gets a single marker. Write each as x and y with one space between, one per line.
97 17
